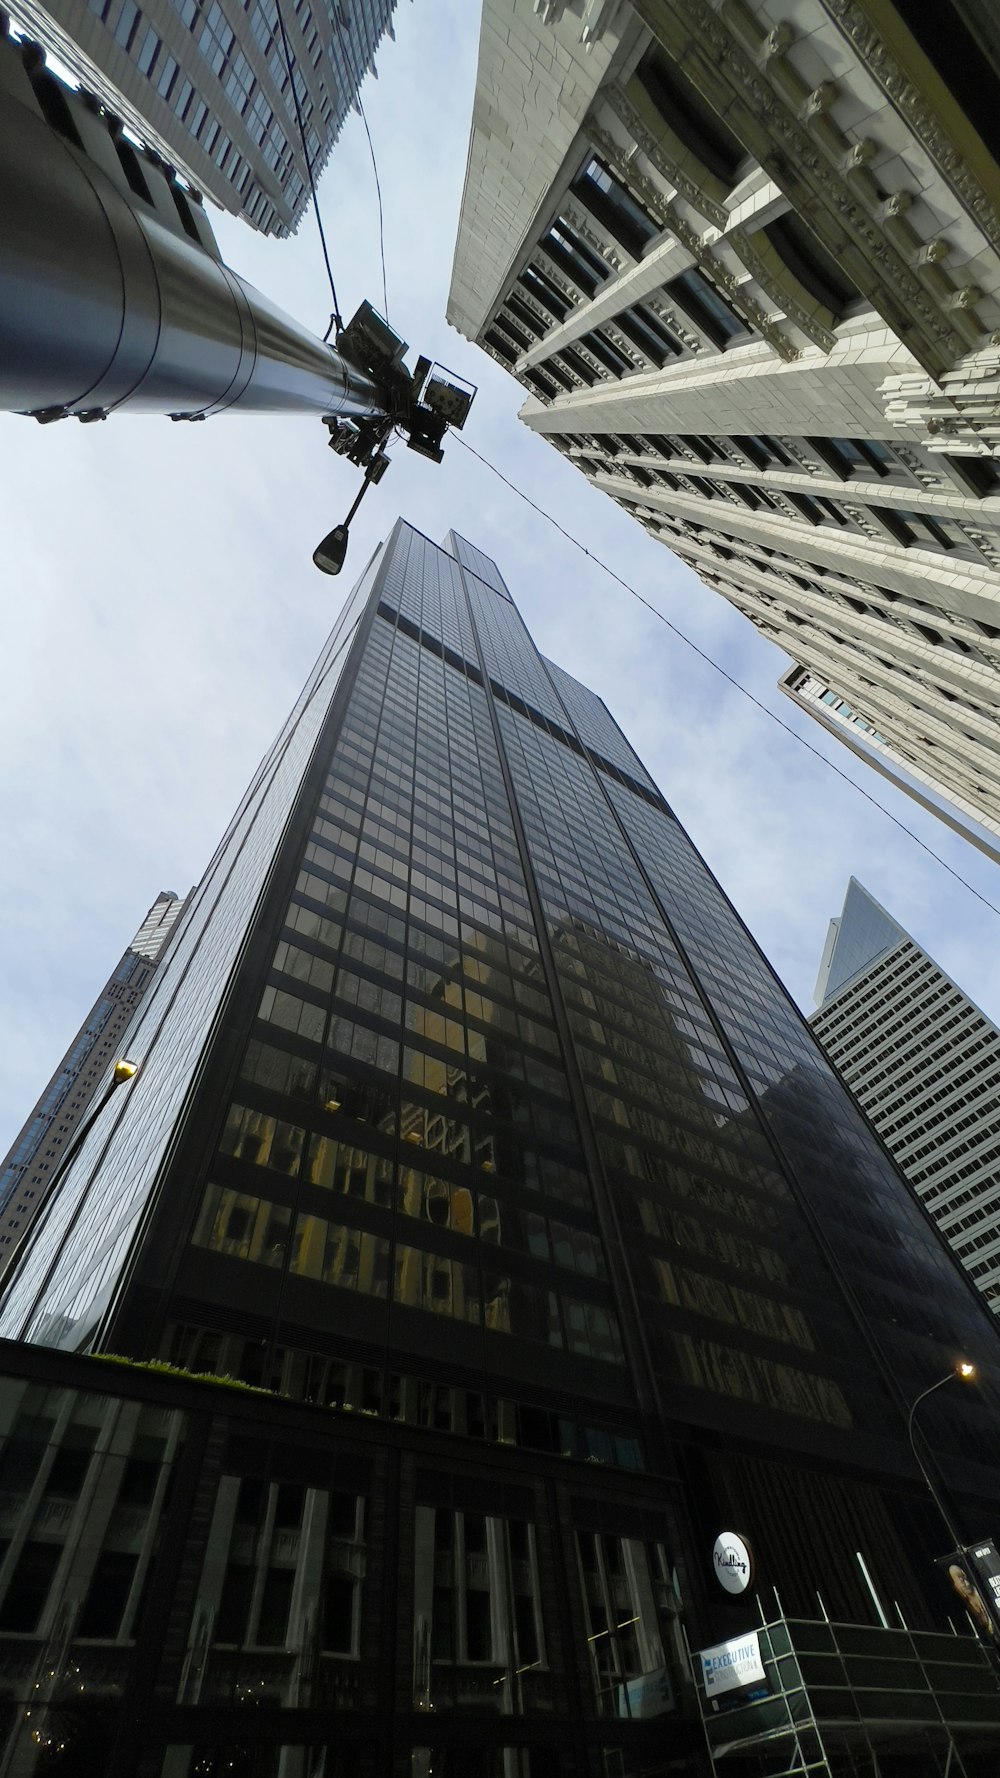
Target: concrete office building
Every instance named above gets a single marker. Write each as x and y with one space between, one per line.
471 1125
924 1063
205 84
745 261
38 1150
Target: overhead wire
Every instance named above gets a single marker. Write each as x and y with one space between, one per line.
336 320
357 74
378 192
729 677
633 592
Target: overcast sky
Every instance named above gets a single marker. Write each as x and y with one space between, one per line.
162 611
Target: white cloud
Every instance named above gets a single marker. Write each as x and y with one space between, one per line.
162 611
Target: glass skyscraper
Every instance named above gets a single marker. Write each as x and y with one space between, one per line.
470 1121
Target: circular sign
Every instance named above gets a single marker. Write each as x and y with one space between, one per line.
733 1562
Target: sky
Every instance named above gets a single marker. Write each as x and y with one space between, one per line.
162 612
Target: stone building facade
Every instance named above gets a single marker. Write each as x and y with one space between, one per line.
745 261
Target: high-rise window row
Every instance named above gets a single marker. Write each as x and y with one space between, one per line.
206 84
756 309
924 1062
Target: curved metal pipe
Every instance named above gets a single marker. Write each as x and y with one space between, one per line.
105 306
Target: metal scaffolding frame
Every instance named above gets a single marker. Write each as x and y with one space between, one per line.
841 1699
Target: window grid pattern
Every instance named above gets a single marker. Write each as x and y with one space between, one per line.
401 1153
408 990
220 95
906 1283
924 1063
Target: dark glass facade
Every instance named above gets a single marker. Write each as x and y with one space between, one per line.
468 1110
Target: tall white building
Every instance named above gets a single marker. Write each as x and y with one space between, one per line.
745 260
41 1145
924 1063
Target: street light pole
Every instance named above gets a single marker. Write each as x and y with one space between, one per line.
114 299
122 1072
976 1605
966 1373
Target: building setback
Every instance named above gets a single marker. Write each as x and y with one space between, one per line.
38 1150
749 274
472 1129
924 1063
205 84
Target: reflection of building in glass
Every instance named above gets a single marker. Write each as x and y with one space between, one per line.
744 264
924 1063
473 1132
38 1150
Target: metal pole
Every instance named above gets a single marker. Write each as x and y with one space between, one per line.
111 295
13 1259
932 1489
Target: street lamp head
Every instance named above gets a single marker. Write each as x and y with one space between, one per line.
124 1070
966 1370
331 553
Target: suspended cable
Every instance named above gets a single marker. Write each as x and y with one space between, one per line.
378 190
735 683
336 319
357 73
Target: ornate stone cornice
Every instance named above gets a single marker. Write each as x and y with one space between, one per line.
497 358
781 286
929 478
562 284
544 320
964 406
805 463
766 112
501 321
673 321
669 217
986 542
782 500
861 518
625 346
671 169
584 223
870 47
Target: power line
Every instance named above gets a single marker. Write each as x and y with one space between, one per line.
735 683
337 322
357 73
378 190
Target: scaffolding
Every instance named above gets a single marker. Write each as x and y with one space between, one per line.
855 1701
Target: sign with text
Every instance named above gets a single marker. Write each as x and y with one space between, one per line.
649 1695
730 1665
732 1562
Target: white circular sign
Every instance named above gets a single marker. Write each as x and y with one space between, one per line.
733 1562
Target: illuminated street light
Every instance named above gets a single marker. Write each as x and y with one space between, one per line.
963 1371
123 1071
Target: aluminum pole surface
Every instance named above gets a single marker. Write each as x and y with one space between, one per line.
104 306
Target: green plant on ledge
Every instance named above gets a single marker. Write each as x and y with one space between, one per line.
176 1370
